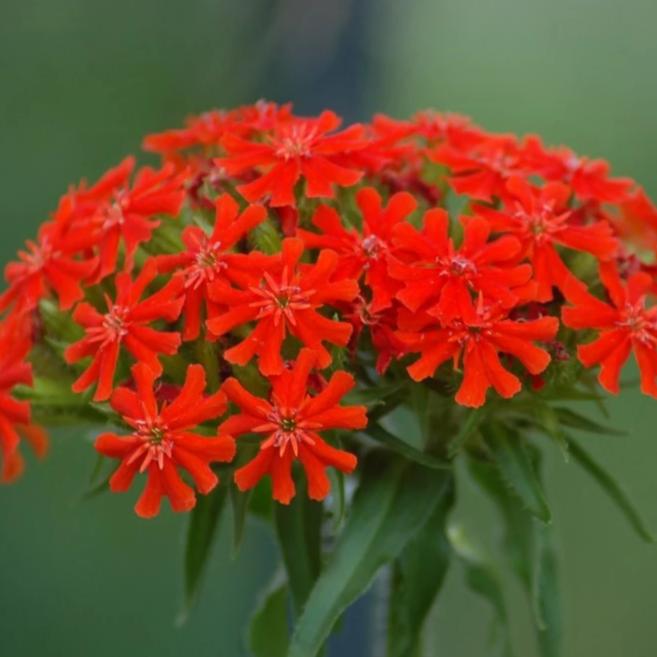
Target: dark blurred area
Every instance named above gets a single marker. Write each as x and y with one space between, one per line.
81 83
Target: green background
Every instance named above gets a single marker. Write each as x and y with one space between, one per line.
81 81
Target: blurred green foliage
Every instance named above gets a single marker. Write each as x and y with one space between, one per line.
82 81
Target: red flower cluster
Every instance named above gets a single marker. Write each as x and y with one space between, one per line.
15 422
271 249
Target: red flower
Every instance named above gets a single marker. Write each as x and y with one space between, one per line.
297 149
540 219
162 441
477 339
625 324
482 169
204 130
291 422
13 463
126 322
284 298
638 220
208 129
365 251
209 258
457 130
381 328
442 278
125 214
588 178
15 343
49 264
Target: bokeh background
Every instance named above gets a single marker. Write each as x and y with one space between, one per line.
81 81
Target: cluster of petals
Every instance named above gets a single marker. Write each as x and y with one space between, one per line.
290 422
15 416
162 440
286 250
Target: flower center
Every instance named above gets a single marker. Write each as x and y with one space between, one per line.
114 212
543 223
499 161
37 255
156 443
296 142
114 320
573 163
288 424
288 431
113 329
372 246
280 300
641 323
456 265
207 265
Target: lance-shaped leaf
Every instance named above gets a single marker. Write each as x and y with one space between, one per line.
527 542
298 527
574 420
613 489
338 498
268 631
549 423
393 502
239 504
482 577
201 531
467 429
418 575
545 593
517 469
399 445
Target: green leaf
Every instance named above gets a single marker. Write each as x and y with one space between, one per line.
573 420
548 421
266 237
239 504
338 498
98 468
482 577
386 403
415 586
393 502
517 470
268 634
261 504
96 489
201 531
298 527
467 430
208 356
613 489
568 393
545 593
527 544
387 438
